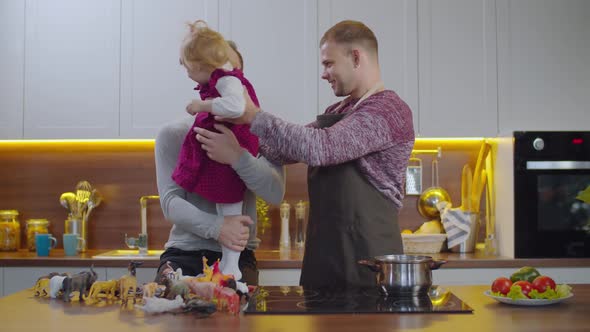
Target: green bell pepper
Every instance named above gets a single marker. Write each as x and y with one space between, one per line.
526 273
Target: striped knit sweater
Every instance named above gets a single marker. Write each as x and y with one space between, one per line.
378 134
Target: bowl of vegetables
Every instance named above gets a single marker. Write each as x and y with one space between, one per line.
528 287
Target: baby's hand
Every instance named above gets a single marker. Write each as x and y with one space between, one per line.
197 106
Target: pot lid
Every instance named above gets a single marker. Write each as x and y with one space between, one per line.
402 259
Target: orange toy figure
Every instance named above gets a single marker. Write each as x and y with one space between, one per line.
207 272
217 277
227 298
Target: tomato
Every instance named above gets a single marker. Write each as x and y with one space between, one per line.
525 286
501 285
541 283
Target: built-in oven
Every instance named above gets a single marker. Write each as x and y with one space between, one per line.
551 194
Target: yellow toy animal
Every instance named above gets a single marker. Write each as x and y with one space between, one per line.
106 288
150 289
128 284
42 287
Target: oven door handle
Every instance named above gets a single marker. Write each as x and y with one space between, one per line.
557 165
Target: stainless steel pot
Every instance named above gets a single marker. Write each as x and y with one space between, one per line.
403 274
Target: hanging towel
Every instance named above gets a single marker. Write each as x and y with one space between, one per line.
457 223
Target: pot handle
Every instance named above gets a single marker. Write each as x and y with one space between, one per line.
371 264
434 265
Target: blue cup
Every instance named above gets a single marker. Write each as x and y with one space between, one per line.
73 243
44 243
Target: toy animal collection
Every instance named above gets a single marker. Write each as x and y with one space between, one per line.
202 295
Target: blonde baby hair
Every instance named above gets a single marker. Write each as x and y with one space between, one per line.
204 47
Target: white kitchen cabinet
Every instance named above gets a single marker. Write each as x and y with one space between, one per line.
1 281
278 41
19 278
155 88
12 29
394 24
457 68
72 64
544 65
279 277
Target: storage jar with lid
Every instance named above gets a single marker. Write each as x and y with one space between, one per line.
34 227
9 230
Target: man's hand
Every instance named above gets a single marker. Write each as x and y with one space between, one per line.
198 106
234 232
223 147
249 112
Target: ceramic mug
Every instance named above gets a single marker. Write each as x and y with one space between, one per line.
44 243
73 243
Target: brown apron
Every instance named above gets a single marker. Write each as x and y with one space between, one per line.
349 220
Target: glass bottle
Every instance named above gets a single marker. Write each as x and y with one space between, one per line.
34 227
285 209
9 230
300 223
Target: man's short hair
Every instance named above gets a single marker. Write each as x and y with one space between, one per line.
352 32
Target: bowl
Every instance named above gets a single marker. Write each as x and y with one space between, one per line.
428 200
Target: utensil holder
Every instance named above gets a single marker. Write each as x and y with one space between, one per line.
80 227
469 244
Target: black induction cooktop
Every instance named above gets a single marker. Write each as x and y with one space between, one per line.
298 300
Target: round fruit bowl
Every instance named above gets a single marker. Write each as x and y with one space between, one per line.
526 302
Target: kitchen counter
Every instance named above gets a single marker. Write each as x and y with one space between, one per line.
24 312
275 259
267 259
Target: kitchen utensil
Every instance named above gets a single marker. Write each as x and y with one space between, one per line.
68 201
73 225
477 194
466 178
93 201
83 190
477 189
414 176
403 274
491 242
432 196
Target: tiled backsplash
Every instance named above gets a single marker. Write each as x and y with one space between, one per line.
34 174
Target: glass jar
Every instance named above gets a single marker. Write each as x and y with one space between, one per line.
34 227
9 230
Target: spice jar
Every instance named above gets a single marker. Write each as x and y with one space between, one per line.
34 227
9 230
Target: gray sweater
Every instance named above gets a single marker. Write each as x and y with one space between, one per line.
195 224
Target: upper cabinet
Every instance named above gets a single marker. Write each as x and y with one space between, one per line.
12 29
394 24
71 73
457 68
543 65
110 69
155 88
278 41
